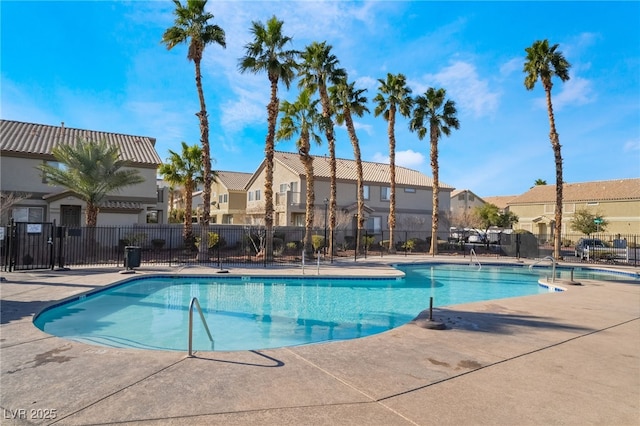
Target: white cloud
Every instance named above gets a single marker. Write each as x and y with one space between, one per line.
631 146
576 91
408 158
464 86
511 66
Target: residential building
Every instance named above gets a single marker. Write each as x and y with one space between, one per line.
413 194
500 201
229 197
463 202
25 146
618 201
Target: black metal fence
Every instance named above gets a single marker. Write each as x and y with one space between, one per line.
25 246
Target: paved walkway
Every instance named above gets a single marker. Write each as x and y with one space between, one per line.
570 358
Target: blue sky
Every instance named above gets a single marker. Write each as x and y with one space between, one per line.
100 65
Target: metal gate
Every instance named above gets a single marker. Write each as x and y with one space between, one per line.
28 246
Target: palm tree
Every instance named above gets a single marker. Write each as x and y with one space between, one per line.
544 62
318 68
192 26
539 182
348 101
439 113
91 170
185 170
301 117
267 53
394 96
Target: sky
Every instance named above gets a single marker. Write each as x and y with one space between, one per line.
100 65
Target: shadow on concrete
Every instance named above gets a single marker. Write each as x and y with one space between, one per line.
14 310
492 322
276 362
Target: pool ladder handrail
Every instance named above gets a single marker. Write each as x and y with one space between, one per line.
472 253
194 302
553 268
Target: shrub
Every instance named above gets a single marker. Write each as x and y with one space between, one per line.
317 241
368 241
409 245
214 240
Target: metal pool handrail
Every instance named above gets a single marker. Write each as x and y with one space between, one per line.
194 301
472 253
553 269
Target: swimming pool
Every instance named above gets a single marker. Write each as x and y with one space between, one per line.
243 313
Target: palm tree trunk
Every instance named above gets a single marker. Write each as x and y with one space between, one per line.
436 190
307 160
555 144
91 215
206 150
331 142
356 154
392 173
188 224
272 112
206 165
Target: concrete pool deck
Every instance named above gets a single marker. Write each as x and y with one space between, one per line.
556 358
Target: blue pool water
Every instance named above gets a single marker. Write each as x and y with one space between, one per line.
266 312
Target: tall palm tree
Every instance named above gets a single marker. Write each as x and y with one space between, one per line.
92 170
319 67
192 26
393 96
267 53
185 169
347 101
544 62
302 117
439 113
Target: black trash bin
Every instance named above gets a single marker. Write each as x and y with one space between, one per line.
132 255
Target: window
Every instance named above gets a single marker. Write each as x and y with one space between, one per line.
471 197
294 186
250 194
28 214
225 198
284 187
257 195
298 219
461 197
365 190
410 190
373 224
385 193
52 164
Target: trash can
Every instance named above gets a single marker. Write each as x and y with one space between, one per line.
132 256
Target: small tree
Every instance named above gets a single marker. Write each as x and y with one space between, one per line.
507 219
92 171
584 221
7 201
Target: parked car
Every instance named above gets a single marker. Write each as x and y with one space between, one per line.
585 244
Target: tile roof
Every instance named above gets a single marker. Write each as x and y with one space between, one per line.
608 190
460 191
346 170
233 181
501 201
39 139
